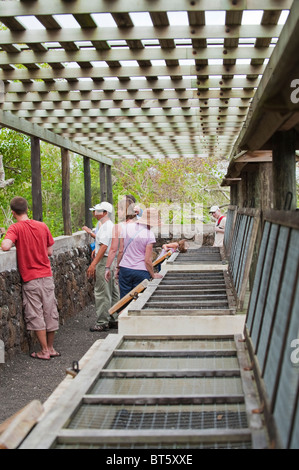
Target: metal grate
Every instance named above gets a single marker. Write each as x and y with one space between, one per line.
168 386
158 392
174 363
203 416
200 290
179 343
273 322
209 255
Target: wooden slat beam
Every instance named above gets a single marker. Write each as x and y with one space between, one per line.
272 104
237 107
56 7
130 34
160 84
152 71
121 97
53 56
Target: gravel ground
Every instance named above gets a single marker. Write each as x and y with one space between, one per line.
24 379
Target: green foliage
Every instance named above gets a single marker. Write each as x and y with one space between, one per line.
171 181
15 149
151 181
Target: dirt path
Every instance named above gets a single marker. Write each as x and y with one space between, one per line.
24 379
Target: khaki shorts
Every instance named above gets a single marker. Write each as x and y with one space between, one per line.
40 305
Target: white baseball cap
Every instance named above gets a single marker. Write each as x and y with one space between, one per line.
213 209
104 206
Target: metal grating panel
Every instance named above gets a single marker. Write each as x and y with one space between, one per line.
193 291
187 344
244 225
285 401
217 416
261 292
273 321
168 386
295 435
258 277
229 229
203 255
275 316
156 406
174 363
242 248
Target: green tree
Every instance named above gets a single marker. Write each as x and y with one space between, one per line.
15 149
151 181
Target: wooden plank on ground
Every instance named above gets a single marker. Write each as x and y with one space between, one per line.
15 429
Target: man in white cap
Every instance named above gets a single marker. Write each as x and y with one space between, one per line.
106 293
219 225
93 232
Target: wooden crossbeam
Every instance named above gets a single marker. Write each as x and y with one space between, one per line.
41 8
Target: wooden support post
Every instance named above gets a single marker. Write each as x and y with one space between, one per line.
109 184
66 208
37 205
87 192
234 194
103 187
284 170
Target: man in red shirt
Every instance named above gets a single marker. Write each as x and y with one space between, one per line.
219 225
34 244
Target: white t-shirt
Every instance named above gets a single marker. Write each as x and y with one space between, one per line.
104 236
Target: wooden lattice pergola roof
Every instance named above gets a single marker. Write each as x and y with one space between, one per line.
136 78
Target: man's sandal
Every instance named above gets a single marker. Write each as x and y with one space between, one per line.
99 328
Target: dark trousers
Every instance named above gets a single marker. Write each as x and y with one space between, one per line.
130 278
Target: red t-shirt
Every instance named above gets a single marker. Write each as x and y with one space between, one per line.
32 239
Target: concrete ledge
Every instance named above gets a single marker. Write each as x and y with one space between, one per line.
207 325
66 243
8 260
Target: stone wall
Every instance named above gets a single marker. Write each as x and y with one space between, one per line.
74 291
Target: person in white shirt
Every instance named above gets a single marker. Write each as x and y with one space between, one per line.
219 225
106 293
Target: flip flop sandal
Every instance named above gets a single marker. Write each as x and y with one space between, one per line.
35 355
56 354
